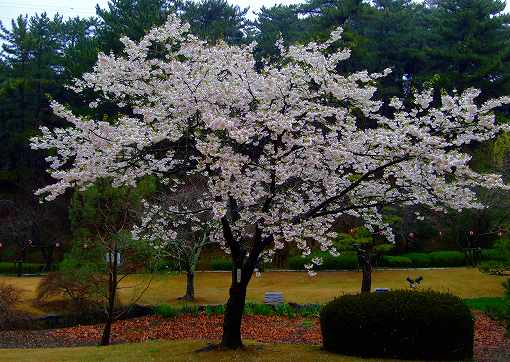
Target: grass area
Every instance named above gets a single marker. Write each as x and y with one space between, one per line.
485 303
212 288
177 351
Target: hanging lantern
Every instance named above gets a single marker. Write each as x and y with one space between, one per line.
411 235
471 232
57 244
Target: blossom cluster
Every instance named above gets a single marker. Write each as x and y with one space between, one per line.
289 147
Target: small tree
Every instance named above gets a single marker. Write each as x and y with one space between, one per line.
172 235
286 149
102 217
369 248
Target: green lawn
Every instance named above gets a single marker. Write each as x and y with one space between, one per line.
177 351
212 288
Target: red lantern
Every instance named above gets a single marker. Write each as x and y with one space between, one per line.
411 235
1 245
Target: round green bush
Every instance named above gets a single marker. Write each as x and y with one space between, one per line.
399 324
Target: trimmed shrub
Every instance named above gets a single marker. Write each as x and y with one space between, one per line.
297 262
447 258
396 261
221 264
343 261
347 261
399 324
29 268
419 260
493 254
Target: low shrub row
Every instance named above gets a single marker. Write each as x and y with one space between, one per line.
399 324
411 260
349 260
27 268
221 264
288 310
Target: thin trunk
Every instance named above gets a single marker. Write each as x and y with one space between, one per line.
112 289
366 284
190 286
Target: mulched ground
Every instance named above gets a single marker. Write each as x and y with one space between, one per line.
491 342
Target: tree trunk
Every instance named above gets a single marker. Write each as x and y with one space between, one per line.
231 338
366 284
190 287
112 289
105 339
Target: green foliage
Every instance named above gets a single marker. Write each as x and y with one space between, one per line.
258 309
345 261
397 262
486 304
214 309
284 309
30 268
493 254
190 309
166 311
447 258
399 324
221 264
419 260
102 206
359 236
309 310
494 267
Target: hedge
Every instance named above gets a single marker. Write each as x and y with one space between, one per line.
397 262
402 324
447 258
419 260
493 254
29 268
329 262
221 264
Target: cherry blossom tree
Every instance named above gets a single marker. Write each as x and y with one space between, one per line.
286 149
